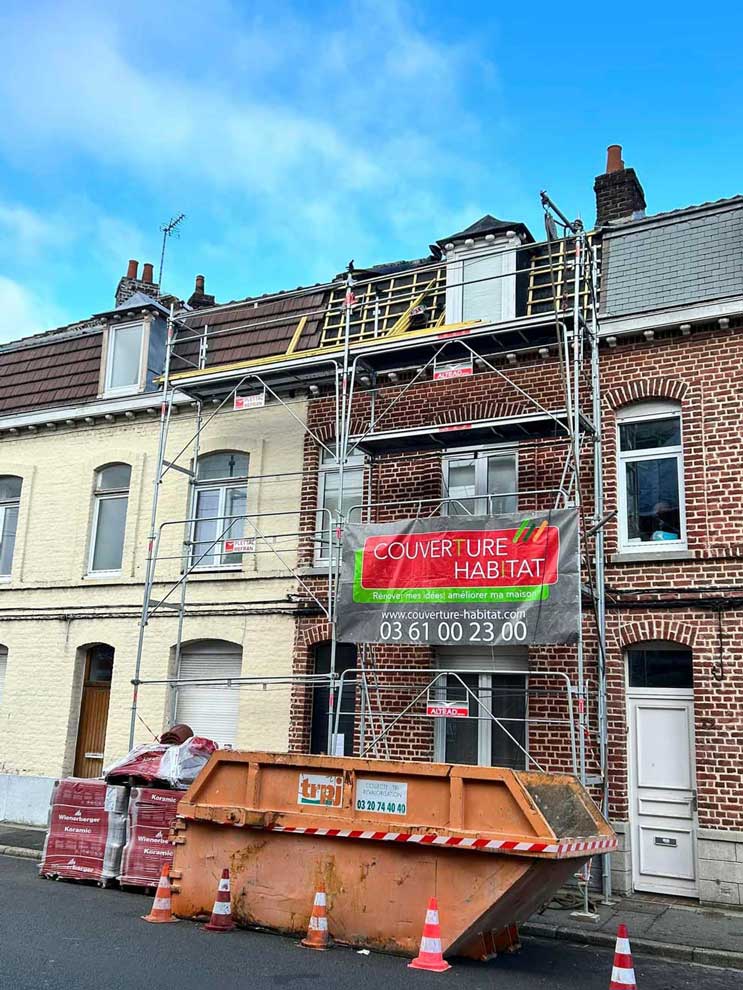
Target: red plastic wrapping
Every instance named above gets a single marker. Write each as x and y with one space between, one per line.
86 830
151 812
174 766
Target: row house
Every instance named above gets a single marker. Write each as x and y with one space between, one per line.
458 406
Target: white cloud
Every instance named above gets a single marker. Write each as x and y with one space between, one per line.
22 312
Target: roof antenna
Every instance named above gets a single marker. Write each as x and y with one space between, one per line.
168 229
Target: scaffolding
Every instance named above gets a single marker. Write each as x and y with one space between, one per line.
368 328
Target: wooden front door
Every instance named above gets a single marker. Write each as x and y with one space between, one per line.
91 730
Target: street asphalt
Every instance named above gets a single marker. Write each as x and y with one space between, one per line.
65 936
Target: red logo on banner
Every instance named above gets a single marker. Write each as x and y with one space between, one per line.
463 559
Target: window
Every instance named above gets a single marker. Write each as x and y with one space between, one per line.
211 709
220 506
124 357
651 477
477 480
660 665
327 495
3 669
10 499
479 740
109 517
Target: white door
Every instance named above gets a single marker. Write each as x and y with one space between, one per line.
663 791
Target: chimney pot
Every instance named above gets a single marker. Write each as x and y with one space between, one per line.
614 161
147 272
131 271
199 284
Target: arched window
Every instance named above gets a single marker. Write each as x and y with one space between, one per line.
3 669
110 499
10 500
220 505
650 477
206 701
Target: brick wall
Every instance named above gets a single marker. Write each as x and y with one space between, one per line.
702 373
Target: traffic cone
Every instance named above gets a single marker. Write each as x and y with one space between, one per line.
317 930
161 913
623 971
221 919
430 955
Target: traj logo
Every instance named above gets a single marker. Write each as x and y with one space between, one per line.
320 790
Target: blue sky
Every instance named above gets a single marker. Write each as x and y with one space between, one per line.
295 136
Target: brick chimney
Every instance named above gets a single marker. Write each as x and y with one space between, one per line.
619 195
199 299
130 283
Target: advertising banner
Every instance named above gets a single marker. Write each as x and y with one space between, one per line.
474 580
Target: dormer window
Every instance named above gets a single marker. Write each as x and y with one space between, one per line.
481 271
124 358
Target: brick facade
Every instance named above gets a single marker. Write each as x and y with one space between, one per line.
647 598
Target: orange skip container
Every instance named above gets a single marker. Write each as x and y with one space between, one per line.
491 844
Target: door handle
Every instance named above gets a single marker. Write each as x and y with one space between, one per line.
694 801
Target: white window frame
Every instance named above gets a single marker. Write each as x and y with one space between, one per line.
4 506
222 486
355 465
480 455
99 497
643 413
108 390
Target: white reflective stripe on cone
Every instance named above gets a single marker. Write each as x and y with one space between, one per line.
432 917
224 885
430 944
623 947
624 976
161 904
319 924
319 899
221 907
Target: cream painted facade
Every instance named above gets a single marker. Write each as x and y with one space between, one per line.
52 610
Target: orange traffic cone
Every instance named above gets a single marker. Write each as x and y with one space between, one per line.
430 955
221 919
623 971
161 913
317 931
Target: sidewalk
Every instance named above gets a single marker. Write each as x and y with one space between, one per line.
660 926
21 840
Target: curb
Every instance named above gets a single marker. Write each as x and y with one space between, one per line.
21 852
642 946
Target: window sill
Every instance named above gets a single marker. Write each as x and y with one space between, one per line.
101 575
650 556
315 570
217 569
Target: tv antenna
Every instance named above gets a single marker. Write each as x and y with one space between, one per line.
168 230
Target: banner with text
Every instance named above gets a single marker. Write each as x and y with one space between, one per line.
475 580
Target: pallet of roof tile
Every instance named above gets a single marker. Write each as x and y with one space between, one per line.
148 846
86 833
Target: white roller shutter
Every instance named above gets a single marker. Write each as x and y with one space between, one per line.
497 659
3 667
210 709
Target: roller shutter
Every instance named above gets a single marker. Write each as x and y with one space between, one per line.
210 709
485 658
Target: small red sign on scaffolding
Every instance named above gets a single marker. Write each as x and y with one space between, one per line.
448 709
252 401
246 545
452 369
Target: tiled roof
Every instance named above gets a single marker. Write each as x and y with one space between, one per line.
232 338
488 225
60 371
